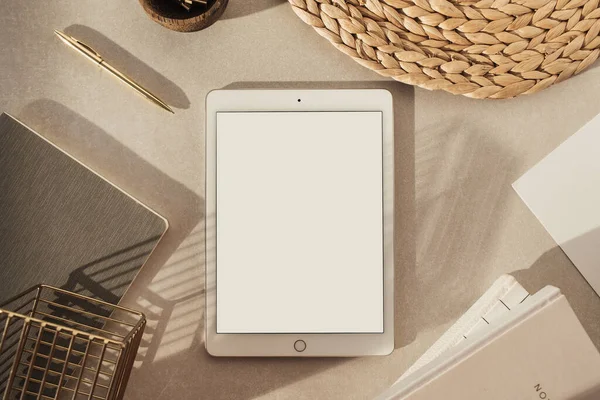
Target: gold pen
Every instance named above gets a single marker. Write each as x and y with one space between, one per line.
96 58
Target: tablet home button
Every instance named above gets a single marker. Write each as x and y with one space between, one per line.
300 346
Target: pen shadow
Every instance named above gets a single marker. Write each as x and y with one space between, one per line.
237 9
131 66
404 186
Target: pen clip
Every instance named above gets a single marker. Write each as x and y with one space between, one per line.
89 51
80 46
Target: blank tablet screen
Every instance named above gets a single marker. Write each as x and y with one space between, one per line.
299 222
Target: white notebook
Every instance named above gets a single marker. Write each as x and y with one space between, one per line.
504 295
509 345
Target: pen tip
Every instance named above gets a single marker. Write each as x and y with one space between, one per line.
60 35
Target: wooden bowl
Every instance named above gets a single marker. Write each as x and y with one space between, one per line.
173 16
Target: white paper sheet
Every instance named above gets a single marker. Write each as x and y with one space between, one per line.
563 191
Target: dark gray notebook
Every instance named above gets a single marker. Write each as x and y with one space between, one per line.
64 225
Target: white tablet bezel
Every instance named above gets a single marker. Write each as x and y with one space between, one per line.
317 344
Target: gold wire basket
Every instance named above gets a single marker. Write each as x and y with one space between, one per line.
56 344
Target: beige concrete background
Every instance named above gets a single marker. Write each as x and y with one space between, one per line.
459 223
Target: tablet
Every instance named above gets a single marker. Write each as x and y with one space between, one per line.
299 223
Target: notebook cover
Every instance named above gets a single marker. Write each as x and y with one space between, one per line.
541 351
62 224
505 294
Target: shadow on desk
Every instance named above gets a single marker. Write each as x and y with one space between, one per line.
554 268
237 9
131 66
462 188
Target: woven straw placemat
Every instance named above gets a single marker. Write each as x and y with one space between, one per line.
483 49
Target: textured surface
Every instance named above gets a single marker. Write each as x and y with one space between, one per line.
460 225
63 225
482 49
